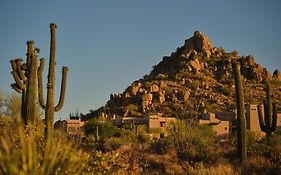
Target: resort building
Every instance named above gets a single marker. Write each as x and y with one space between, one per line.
73 127
224 123
150 120
253 119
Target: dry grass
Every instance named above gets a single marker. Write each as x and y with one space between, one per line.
26 151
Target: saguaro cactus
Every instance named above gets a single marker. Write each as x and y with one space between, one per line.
241 119
268 122
25 76
49 105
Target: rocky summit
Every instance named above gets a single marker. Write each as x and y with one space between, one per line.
196 78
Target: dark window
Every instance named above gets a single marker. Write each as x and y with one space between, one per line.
162 124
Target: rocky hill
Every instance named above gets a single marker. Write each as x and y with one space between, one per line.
194 79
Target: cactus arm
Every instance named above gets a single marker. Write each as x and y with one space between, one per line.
15 74
19 70
63 87
40 83
261 121
18 81
270 119
274 118
16 88
24 66
14 65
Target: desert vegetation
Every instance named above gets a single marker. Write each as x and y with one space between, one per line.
185 149
30 145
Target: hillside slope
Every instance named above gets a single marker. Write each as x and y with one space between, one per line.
194 79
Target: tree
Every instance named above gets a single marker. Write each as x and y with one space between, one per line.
10 105
100 129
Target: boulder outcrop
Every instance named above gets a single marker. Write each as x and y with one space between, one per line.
277 75
198 42
196 77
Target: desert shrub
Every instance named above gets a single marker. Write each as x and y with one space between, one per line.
141 134
200 168
155 130
274 140
227 90
184 73
132 107
101 129
253 147
275 156
224 79
104 163
275 82
161 146
194 143
142 138
208 73
213 108
259 165
113 143
27 151
195 84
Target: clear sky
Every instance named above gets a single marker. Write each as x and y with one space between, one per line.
109 44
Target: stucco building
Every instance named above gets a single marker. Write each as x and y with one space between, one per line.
253 119
150 120
73 127
224 123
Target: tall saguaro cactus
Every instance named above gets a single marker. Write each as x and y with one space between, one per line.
25 75
241 119
49 107
268 121
31 93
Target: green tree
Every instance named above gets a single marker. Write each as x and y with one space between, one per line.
100 129
10 105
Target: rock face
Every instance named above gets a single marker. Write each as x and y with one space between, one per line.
194 65
146 100
154 88
277 75
161 97
196 78
198 42
250 60
186 56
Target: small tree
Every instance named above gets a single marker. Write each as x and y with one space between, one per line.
100 129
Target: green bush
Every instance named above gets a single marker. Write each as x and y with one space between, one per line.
104 163
161 146
101 129
113 143
195 84
194 143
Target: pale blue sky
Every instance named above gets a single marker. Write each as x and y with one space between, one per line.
109 44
